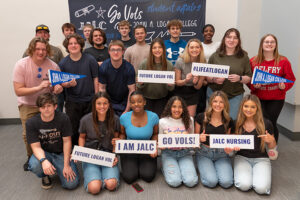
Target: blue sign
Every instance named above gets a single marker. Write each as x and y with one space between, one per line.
262 77
153 14
57 77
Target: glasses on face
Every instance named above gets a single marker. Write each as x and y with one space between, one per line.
269 42
116 50
39 72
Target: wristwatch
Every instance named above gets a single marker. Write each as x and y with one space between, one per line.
42 160
241 78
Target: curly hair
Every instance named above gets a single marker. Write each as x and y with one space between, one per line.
225 112
92 36
185 116
78 38
32 45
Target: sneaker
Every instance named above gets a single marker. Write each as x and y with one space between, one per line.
26 165
46 182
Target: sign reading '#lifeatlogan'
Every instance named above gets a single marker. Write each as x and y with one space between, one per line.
153 14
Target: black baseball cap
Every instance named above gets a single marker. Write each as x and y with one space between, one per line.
42 27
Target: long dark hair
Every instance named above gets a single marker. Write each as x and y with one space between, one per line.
185 116
109 117
238 52
151 60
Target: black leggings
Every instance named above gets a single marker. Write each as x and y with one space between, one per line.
136 166
271 110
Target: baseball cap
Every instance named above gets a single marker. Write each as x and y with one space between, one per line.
42 27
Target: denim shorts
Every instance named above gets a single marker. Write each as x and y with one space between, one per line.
97 172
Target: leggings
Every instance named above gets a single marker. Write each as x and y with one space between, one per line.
136 166
271 110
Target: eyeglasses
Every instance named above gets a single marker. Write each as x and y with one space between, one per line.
269 42
116 50
40 72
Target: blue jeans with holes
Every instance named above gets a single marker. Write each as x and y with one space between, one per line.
178 166
252 173
215 167
234 103
57 161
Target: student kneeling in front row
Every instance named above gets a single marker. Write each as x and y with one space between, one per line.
49 135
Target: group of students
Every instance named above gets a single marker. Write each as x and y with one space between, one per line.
176 105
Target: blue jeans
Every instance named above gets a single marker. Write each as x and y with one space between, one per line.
178 167
234 103
96 172
252 172
215 167
57 161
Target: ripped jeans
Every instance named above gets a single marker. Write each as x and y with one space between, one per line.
178 166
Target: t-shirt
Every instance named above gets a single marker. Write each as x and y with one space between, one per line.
272 91
63 50
169 125
185 68
209 49
136 54
99 54
239 66
173 50
49 134
210 129
128 43
26 72
56 56
117 80
256 152
155 90
139 133
84 90
87 44
87 127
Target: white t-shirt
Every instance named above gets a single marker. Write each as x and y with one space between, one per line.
209 49
169 125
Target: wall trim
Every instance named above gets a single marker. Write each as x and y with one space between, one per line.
8 121
295 136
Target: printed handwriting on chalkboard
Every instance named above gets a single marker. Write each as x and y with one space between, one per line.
100 12
84 11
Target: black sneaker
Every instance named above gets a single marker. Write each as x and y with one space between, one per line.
26 165
46 182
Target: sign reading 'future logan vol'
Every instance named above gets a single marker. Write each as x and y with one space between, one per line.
153 14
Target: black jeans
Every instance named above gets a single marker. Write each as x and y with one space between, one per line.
76 111
271 110
136 166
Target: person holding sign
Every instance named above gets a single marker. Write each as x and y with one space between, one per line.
231 53
271 95
252 168
156 93
214 164
177 163
187 84
138 124
49 135
97 129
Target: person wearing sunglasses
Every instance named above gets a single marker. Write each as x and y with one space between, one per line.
30 79
117 77
44 32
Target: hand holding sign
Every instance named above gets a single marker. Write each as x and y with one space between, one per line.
44 84
281 86
234 78
115 161
257 86
189 77
57 89
203 136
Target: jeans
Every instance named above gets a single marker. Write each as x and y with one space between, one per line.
96 172
234 103
178 167
57 160
252 172
215 167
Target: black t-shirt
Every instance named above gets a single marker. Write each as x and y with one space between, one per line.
256 152
99 54
49 134
210 129
84 90
128 43
87 127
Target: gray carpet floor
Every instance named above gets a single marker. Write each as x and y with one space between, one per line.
17 184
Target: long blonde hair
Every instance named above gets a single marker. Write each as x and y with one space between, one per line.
259 58
225 112
258 118
186 56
